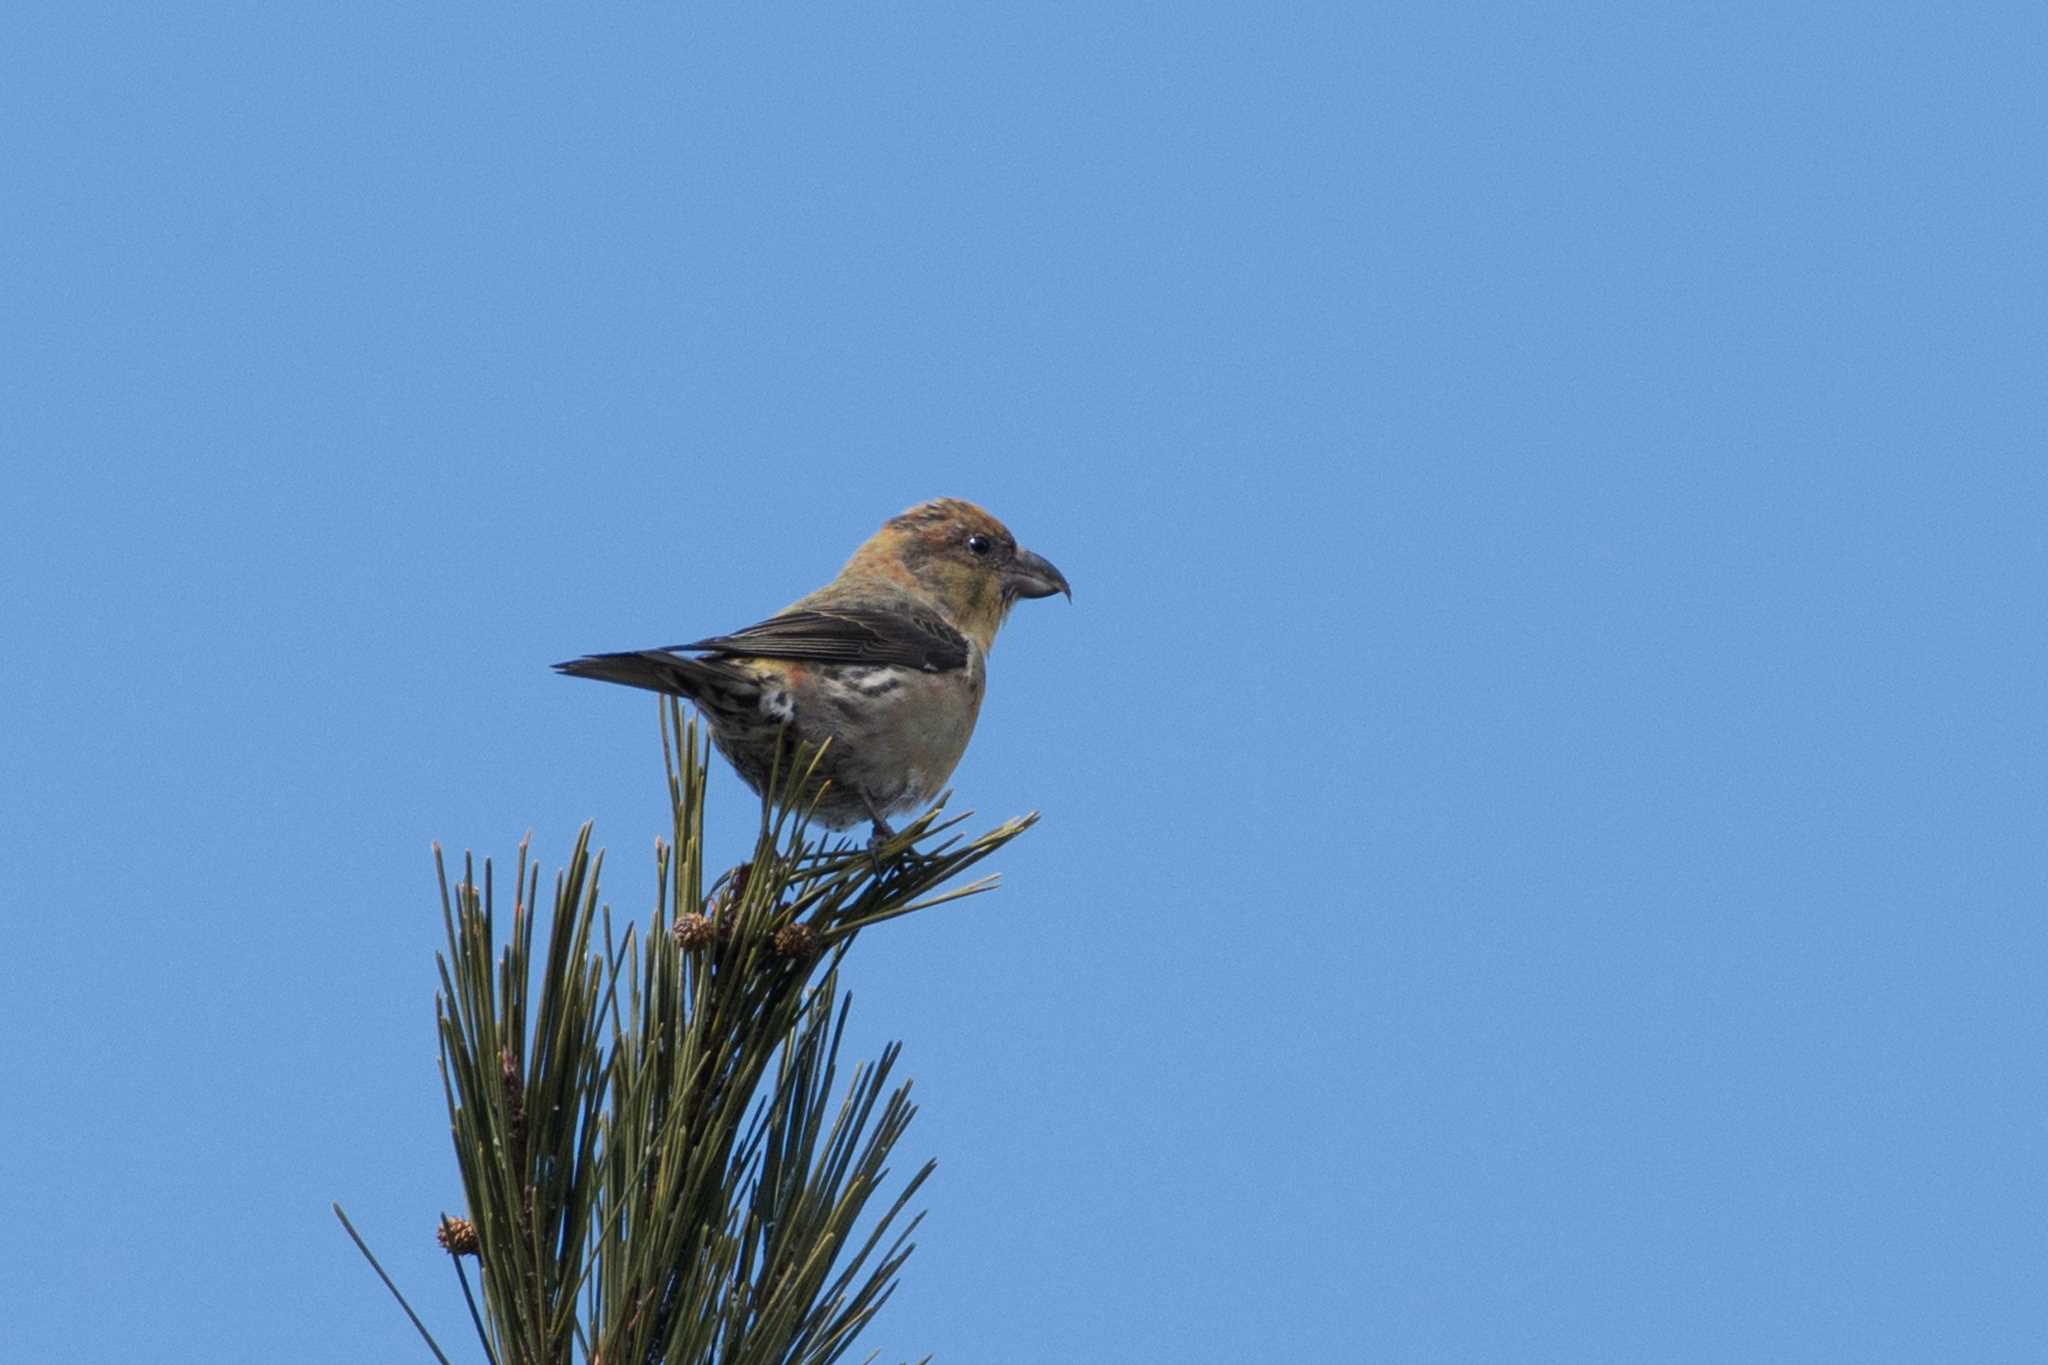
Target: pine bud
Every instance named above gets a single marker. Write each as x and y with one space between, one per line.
796 941
457 1237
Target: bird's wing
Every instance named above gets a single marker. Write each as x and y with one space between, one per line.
847 635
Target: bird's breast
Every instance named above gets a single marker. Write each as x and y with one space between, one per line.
897 732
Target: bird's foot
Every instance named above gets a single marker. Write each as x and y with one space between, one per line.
877 840
883 831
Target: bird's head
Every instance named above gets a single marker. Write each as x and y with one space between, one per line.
961 558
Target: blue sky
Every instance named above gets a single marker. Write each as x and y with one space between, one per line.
1542 774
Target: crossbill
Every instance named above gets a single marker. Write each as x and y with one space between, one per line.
888 661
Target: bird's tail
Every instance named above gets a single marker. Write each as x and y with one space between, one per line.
714 684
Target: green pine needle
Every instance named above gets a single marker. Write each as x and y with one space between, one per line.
662 1161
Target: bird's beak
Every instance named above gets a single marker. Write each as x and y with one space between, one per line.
1030 575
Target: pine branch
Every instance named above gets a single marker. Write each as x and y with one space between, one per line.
656 1167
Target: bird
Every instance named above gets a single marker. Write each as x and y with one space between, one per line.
888 661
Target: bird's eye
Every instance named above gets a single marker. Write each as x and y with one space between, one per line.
980 545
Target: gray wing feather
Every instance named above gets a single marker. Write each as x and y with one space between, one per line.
846 636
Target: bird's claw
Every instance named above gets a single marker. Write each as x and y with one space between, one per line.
877 840
883 835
